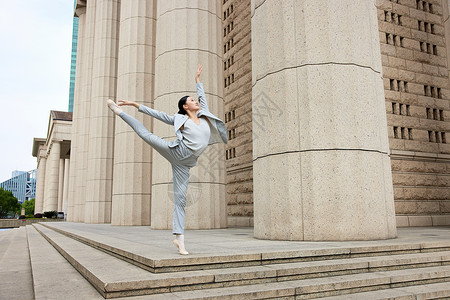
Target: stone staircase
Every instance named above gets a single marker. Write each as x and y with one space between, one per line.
408 270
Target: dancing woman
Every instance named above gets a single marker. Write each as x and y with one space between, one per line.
195 128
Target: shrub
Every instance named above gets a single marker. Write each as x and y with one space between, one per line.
38 215
22 217
50 214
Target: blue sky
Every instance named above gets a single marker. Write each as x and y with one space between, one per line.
35 55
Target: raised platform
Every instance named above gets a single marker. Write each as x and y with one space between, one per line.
230 263
209 249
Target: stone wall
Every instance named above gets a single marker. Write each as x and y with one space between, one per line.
416 82
237 66
15 223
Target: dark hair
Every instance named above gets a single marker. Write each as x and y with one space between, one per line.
182 102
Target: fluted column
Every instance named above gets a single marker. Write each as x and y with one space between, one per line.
101 127
65 185
320 146
52 177
132 156
75 156
188 34
85 112
60 184
40 182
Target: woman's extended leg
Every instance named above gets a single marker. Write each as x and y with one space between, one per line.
153 140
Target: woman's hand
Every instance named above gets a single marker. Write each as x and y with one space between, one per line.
197 75
130 103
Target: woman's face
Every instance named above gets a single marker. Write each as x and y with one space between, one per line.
191 104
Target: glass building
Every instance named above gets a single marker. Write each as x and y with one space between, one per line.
73 62
22 185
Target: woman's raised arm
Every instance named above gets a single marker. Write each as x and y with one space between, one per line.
162 116
200 92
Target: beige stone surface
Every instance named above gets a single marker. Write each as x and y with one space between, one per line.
101 121
52 177
179 49
15 271
302 38
60 184
132 179
321 165
40 184
65 186
84 112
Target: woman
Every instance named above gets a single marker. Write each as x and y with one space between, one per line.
196 128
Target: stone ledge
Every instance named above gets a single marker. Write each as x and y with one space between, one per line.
15 223
420 221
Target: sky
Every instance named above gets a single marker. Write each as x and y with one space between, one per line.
35 52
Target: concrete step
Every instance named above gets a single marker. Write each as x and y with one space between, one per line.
53 276
344 286
15 268
159 255
96 266
423 291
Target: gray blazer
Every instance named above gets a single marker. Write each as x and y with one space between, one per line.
217 127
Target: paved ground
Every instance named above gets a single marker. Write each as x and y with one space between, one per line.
15 271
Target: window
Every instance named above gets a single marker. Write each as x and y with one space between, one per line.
392 17
394 108
231 115
230 153
437 137
403 133
424 6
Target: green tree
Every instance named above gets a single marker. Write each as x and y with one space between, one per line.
8 203
29 207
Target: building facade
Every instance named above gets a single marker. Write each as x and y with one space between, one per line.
53 163
336 112
414 50
22 185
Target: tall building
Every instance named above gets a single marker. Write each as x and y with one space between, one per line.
73 61
336 111
22 185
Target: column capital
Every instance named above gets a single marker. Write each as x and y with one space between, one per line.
80 8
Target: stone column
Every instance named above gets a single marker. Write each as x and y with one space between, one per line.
40 182
65 185
189 34
52 177
85 112
75 157
101 136
60 184
132 156
320 144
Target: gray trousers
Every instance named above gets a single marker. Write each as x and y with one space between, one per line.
181 158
